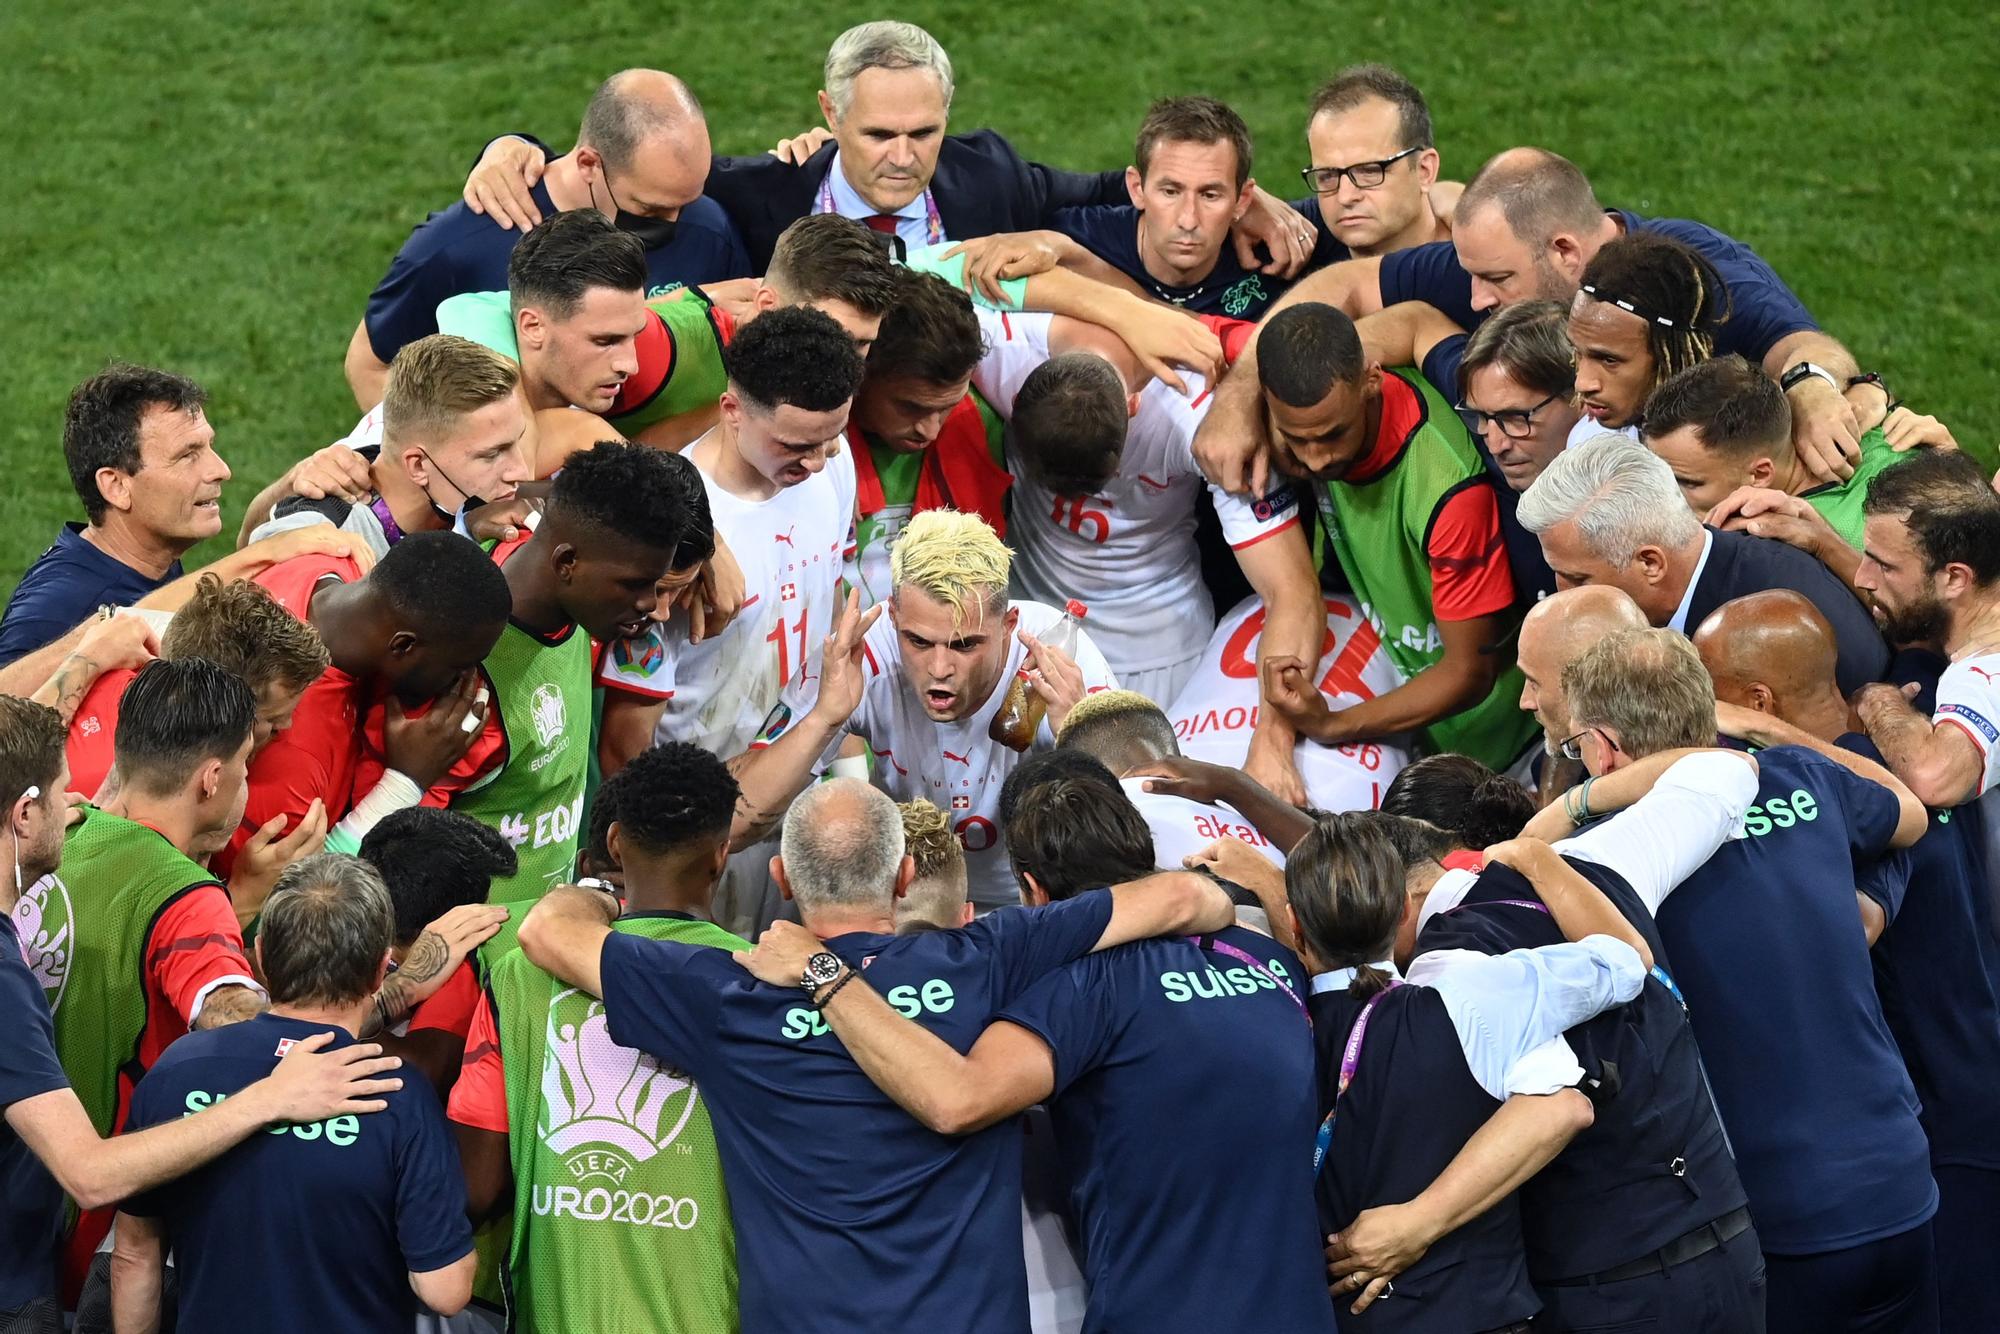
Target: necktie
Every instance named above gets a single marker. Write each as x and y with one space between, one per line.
882 222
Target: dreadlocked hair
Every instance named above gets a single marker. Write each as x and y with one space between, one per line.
1669 285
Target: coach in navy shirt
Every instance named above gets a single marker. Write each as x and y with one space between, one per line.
847 1215
1767 946
1189 184
142 458
1937 969
640 158
346 1223
1137 1046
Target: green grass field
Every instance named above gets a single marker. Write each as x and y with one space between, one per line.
215 188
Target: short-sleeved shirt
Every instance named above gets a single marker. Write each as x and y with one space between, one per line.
1968 698
315 756
65 584
1470 574
457 250
1142 1037
958 767
1810 1085
304 1226
1111 232
1762 309
194 948
1127 551
1218 708
31 1203
1181 828
1937 970
849 1215
94 730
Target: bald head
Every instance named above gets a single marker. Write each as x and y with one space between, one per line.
1556 632
1539 193
647 139
1771 651
842 848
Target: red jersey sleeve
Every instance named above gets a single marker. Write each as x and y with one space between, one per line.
313 758
1470 576
452 1005
91 731
480 758
194 947
479 1098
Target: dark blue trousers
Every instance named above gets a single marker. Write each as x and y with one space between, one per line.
1880 1287
1721 1292
1966 1229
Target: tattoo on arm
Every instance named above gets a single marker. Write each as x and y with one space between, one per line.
64 691
229 1005
425 960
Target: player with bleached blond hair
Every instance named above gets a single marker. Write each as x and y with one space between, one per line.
922 686
936 898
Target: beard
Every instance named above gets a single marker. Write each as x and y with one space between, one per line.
1922 622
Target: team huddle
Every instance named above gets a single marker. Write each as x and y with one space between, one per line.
884 736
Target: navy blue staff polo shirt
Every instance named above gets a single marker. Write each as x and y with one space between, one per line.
302 1227
1111 232
1184 1113
1762 309
456 250
849 1214
31 1204
1767 946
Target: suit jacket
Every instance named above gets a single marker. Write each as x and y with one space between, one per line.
982 186
1739 563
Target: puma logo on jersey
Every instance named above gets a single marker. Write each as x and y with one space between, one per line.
889 756
960 758
1147 481
786 536
1981 673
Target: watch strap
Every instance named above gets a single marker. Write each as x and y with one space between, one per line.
1803 371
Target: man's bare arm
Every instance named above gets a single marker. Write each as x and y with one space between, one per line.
1459 679
138 1259
564 934
1937 761
229 1005
366 372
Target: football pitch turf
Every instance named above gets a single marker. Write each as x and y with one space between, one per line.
214 188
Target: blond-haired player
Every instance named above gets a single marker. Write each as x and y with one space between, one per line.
921 686
936 898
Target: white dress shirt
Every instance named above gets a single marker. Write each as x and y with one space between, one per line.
1680 620
912 219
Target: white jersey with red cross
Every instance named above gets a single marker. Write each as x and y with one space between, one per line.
1218 708
956 765
1127 552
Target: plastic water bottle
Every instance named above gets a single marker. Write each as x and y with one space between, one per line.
1020 715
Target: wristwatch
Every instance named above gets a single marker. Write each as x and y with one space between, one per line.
821 968
1796 375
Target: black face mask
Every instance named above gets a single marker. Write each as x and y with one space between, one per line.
652 233
469 504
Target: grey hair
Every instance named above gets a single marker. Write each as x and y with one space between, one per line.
324 931
846 858
885 44
1622 495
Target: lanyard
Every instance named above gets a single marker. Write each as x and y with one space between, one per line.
392 531
1249 960
1350 1061
933 224
1657 973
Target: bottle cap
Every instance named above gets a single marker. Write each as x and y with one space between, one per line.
1076 609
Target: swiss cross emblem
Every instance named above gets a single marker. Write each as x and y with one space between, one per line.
961 802
284 1045
788 592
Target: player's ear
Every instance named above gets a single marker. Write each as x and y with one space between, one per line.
614 844
720 860
1760 472
1132 404
1013 619
402 644
1246 194
778 863
1032 891
826 110
1135 185
906 871
529 327
563 560
210 778
1427 166
115 485
381 967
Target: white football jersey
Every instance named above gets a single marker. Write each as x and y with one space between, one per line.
957 766
1128 552
1182 828
1968 697
1217 710
792 549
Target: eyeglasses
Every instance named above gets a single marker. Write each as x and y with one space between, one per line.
1514 423
1572 747
1365 175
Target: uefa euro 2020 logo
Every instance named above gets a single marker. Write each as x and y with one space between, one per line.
606 1109
46 926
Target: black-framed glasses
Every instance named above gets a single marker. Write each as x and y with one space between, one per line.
1514 423
1572 747
1365 175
